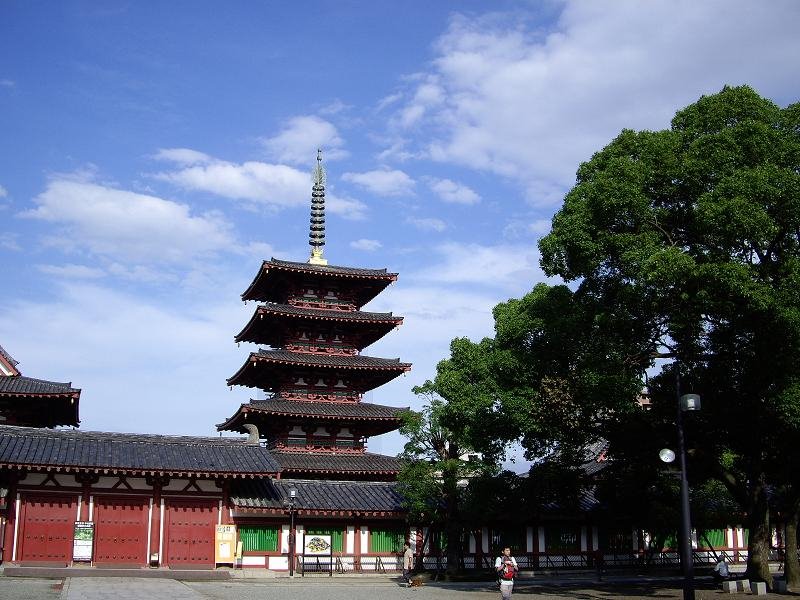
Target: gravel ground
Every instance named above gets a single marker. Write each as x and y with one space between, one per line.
117 588
15 588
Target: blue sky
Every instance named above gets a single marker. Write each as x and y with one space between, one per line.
153 153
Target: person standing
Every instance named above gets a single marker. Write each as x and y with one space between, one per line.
408 563
506 567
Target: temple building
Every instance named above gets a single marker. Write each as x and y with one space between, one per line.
314 421
34 402
302 472
303 468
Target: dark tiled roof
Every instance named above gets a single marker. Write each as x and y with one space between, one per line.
350 410
275 277
337 315
587 502
94 450
20 385
595 457
303 462
329 269
270 322
362 496
357 361
266 368
9 359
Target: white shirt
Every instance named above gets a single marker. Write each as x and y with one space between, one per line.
499 563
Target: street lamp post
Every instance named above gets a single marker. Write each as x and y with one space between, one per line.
685 402
289 503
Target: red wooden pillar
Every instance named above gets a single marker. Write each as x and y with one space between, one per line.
156 518
9 521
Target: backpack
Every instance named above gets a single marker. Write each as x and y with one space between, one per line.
506 570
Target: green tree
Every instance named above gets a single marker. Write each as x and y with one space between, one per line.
436 470
695 230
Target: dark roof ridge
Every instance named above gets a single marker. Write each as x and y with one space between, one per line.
327 312
310 356
8 357
323 268
66 384
292 480
123 436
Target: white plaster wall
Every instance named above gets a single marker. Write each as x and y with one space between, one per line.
350 539
278 563
285 539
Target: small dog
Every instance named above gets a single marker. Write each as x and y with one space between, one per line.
415 583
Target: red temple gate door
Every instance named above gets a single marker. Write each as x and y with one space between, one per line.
121 530
190 533
47 528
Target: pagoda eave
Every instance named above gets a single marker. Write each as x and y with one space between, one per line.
267 325
263 416
268 279
263 369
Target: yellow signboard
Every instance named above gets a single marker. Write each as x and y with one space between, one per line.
225 544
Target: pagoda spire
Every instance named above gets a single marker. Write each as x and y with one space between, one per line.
316 237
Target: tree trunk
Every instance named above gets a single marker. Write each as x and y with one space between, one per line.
791 565
759 541
452 526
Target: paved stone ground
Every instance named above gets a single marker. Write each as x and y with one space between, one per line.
128 588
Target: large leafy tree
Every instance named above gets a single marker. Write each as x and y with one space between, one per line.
459 418
694 233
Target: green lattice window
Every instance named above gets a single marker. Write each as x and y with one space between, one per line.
258 538
387 540
670 542
715 537
337 536
562 539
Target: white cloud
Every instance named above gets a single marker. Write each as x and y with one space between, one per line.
9 242
389 100
506 97
509 267
456 193
129 354
183 156
428 95
276 186
334 108
365 244
127 226
345 207
522 229
262 184
298 141
427 224
383 182
72 271
3 192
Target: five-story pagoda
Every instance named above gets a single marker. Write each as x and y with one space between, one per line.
315 377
